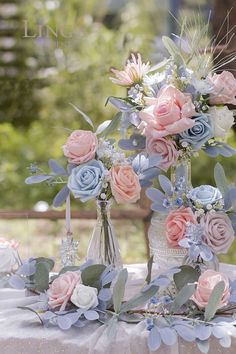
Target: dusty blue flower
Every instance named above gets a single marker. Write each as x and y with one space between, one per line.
85 181
199 134
205 195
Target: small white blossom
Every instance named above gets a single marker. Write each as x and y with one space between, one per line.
103 196
209 206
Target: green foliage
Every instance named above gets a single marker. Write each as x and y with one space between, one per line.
186 275
41 276
214 301
90 275
183 296
119 290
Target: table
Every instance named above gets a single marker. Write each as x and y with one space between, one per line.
21 332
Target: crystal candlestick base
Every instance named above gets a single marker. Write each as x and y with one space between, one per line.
69 251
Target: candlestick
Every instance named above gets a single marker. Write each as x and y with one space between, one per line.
69 247
68 215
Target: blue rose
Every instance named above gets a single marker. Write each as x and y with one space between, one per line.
205 195
199 134
85 181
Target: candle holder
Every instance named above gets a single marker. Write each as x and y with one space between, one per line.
69 250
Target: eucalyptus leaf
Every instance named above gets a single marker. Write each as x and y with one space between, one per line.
139 299
120 104
220 178
166 185
154 339
183 296
91 275
49 262
130 317
41 277
168 335
186 275
214 300
56 168
112 327
186 332
64 322
37 179
69 269
86 118
61 196
91 315
112 126
225 342
105 294
17 282
203 345
155 195
119 290
149 269
102 126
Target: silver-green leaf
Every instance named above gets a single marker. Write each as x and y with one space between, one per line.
119 290
220 178
183 296
214 300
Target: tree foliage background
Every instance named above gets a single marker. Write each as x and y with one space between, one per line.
40 76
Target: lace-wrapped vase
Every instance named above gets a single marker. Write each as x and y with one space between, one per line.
165 256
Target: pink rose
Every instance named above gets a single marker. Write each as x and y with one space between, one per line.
61 289
218 231
169 113
80 147
125 184
206 283
224 88
167 148
176 225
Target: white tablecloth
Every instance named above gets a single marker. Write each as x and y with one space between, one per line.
21 332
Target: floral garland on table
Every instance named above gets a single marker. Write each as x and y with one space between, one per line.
202 306
203 220
179 106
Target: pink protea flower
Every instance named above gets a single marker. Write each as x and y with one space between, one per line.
133 73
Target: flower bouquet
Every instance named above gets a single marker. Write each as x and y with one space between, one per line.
178 106
98 170
203 220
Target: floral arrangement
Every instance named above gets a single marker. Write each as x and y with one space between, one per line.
202 306
97 169
203 219
178 106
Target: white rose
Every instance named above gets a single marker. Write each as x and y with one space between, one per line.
222 119
84 297
8 258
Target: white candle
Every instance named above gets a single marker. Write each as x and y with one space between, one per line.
68 215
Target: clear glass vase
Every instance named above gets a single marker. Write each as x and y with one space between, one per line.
181 174
200 265
103 246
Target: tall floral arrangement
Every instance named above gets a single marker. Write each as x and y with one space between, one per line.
179 106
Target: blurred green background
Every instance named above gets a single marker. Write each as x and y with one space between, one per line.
53 52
